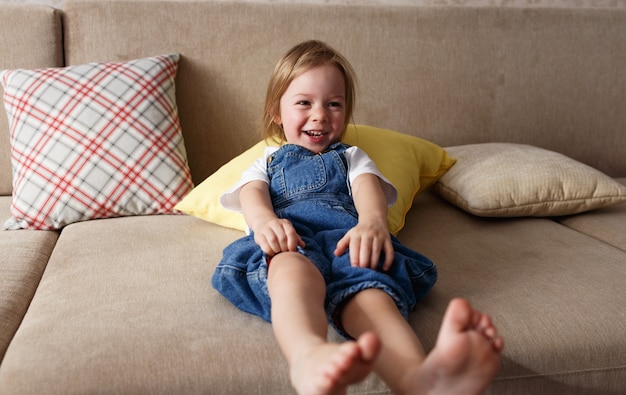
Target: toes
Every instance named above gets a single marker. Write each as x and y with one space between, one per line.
488 330
369 345
497 343
486 327
344 359
461 317
458 317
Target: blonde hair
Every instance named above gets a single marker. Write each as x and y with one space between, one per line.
299 59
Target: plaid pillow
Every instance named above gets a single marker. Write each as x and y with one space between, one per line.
92 141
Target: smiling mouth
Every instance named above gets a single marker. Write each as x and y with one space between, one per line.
314 133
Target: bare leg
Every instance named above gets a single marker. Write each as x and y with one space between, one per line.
464 360
373 310
297 291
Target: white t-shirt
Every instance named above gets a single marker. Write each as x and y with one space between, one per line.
358 163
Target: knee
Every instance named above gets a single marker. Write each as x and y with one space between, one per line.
287 257
290 264
293 271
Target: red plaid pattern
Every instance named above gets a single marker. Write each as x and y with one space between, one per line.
93 141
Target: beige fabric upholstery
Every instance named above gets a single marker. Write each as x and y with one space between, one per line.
433 72
22 262
607 224
36 32
131 298
31 37
543 284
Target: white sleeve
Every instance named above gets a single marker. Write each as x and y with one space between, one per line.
256 172
360 163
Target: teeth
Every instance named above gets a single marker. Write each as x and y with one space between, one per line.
313 133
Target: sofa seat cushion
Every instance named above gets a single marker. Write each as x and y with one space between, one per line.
22 263
130 299
555 294
607 224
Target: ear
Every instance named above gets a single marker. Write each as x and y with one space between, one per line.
276 117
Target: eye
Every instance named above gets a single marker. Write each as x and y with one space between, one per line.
303 103
334 104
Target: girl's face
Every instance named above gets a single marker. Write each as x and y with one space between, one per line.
312 109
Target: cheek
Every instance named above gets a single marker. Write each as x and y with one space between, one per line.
339 118
293 118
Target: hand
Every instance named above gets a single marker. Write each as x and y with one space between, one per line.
366 241
277 235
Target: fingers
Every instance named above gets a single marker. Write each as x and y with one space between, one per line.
364 253
366 249
278 236
389 255
342 245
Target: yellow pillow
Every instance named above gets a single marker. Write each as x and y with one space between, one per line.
410 163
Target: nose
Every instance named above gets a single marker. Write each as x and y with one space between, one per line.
319 114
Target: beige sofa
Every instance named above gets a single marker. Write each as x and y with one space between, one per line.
124 305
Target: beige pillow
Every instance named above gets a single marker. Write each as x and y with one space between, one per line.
514 180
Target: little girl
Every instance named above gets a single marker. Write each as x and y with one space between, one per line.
319 251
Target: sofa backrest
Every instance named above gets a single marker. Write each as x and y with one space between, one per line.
30 37
554 78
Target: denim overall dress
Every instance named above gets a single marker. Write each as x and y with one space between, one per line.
313 192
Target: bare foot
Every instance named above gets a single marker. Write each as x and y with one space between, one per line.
466 356
330 368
